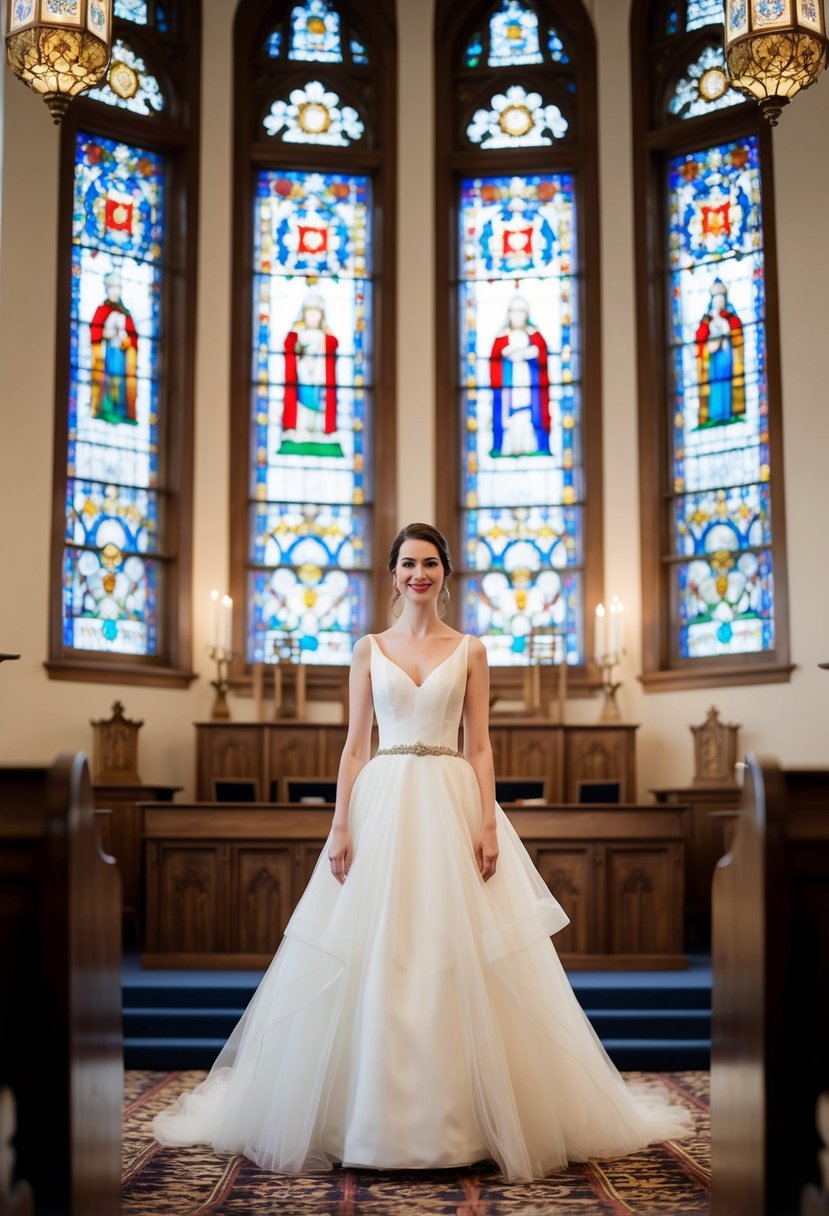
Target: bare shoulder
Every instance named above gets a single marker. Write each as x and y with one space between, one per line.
477 650
362 650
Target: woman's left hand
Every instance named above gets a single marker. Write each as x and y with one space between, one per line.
486 852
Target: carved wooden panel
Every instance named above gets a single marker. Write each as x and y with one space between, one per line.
296 752
265 897
500 750
306 859
333 741
234 750
642 885
599 755
191 913
570 876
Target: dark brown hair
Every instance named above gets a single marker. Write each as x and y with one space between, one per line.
421 532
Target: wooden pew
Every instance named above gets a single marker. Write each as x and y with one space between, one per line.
61 1044
770 1043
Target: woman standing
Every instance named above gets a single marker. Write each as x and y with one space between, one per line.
416 1014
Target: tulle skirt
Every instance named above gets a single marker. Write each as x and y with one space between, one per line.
417 1017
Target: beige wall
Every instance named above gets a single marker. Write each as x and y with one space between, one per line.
39 717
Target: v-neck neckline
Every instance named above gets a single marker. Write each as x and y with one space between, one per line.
402 671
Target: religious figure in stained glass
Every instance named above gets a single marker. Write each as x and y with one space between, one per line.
114 342
309 410
722 396
520 386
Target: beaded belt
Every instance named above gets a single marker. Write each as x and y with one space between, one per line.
418 749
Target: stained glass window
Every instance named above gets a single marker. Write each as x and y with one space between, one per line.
315 32
513 36
722 506
131 10
274 44
517 119
555 46
112 569
522 521
313 115
358 51
704 12
309 529
704 86
129 84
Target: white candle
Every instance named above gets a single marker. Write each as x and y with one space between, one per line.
599 634
214 595
227 604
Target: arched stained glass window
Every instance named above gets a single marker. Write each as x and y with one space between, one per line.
121 572
306 471
521 474
712 504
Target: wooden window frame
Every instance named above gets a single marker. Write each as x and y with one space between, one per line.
654 141
454 21
253 21
175 136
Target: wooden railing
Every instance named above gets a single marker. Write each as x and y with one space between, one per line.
60 1009
770 1046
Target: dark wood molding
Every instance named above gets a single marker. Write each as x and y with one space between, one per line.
376 157
721 676
117 672
578 154
655 61
176 58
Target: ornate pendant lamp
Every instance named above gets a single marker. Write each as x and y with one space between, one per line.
58 47
774 48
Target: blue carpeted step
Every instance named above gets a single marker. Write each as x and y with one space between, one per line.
668 1055
659 1024
173 1054
169 1023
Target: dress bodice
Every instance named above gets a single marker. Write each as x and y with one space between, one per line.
426 713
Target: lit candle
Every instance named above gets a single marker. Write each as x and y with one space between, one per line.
227 604
617 620
214 595
599 635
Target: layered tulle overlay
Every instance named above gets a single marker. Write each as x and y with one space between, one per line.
415 1016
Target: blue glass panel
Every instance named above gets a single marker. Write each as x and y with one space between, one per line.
513 36
131 10
520 383
555 46
273 46
315 32
358 51
704 12
474 51
112 508
719 401
311 390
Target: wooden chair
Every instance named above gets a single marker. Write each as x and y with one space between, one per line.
61 1050
770 1045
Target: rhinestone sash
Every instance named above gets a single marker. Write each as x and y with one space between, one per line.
419 749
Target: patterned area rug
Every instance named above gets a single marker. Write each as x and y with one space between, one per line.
668 1178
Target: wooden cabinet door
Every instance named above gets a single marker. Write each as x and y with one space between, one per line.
185 914
570 874
599 755
296 752
263 890
645 896
228 751
536 752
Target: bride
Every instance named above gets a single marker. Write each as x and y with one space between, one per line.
416 1014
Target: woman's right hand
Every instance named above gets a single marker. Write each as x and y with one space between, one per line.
340 853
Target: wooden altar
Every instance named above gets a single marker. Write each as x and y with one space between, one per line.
529 747
223 880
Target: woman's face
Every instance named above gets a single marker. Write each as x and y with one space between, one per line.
419 572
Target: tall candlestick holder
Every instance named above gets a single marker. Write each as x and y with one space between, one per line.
222 658
286 660
610 709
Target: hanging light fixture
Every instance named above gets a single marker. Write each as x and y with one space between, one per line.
774 48
58 48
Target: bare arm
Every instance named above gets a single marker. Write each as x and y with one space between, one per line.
478 751
356 754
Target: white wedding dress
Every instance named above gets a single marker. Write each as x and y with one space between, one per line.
417 1017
